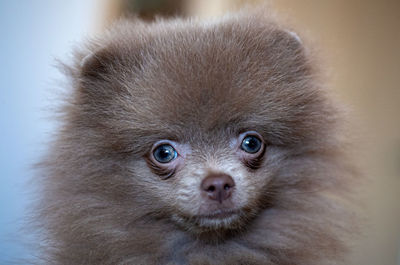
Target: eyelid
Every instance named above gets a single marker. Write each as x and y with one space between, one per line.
250 133
163 171
162 142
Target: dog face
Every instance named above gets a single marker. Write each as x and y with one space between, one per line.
204 116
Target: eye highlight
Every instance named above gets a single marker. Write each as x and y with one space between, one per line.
165 153
251 144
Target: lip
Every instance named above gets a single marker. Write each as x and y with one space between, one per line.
218 219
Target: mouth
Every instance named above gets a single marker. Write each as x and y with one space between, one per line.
215 221
220 219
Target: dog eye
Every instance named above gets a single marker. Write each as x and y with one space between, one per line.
251 144
165 153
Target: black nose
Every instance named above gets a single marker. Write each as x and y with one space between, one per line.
218 186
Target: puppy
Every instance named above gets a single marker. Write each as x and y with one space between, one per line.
190 142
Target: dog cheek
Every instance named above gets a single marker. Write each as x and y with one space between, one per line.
186 194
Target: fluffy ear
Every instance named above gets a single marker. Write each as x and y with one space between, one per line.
115 58
120 48
291 57
96 65
289 40
106 69
100 75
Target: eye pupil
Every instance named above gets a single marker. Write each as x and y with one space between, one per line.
165 153
251 144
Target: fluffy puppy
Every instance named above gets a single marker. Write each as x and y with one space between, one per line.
189 142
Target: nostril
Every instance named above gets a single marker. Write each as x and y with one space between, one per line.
227 187
211 189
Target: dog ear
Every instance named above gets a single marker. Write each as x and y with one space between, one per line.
96 65
105 70
289 42
286 52
120 48
98 75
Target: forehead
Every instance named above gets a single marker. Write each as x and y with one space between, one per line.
204 79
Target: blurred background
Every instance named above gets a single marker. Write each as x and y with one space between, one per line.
359 42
